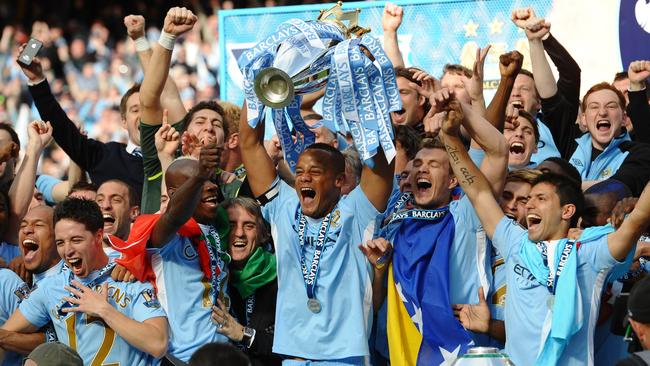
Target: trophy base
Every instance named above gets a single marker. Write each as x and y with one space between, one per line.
274 87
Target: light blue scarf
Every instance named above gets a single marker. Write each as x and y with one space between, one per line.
605 165
564 323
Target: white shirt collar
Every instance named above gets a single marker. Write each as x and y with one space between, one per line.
130 147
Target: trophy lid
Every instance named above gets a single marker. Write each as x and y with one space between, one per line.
337 16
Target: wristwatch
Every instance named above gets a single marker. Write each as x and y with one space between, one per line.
248 338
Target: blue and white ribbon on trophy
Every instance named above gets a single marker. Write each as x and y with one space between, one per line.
359 96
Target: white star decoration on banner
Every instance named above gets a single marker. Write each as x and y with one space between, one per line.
496 27
417 318
470 29
398 287
449 357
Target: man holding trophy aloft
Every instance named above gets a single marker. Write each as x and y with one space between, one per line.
324 280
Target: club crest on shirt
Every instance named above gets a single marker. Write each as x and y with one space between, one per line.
22 292
336 218
577 162
606 173
150 299
188 251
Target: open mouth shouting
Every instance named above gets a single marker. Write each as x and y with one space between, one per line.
533 222
603 125
517 103
30 248
307 195
109 223
75 264
211 201
399 117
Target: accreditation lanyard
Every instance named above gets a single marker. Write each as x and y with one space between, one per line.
554 276
102 272
310 275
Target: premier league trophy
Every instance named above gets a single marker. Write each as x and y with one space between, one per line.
302 57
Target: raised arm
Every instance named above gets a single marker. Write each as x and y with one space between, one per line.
377 182
509 66
391 19
536 29
82 150
473 182
21 191
638 108
260 169
185 199
622 240
170 98
177 22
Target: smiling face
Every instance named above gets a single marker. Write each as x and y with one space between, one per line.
521 140
524 95
113 199
131 118
317 184
431 179
243 235
80 248
412 110
546 218
603 116
513 200
36 239
207 126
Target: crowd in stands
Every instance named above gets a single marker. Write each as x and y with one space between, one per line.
143 221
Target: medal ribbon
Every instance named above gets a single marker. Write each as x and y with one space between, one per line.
311 275
102 272
213 243
554 276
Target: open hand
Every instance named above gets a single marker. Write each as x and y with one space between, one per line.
474 317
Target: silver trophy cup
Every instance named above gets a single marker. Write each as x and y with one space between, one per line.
300 68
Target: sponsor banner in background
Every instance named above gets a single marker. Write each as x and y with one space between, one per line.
603 36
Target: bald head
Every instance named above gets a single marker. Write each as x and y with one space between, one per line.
179 171
36 239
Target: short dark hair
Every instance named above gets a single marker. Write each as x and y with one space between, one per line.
83 186
219 354
134 197
134 89
12 133
567 169
206 104
337 159
80 210
567 189
409 139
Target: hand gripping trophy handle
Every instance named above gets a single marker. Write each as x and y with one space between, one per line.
299 67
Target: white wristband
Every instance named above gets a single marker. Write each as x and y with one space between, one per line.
141 44
167 40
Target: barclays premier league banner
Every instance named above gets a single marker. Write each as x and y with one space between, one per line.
603 36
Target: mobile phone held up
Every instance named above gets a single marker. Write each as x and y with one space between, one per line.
32 48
